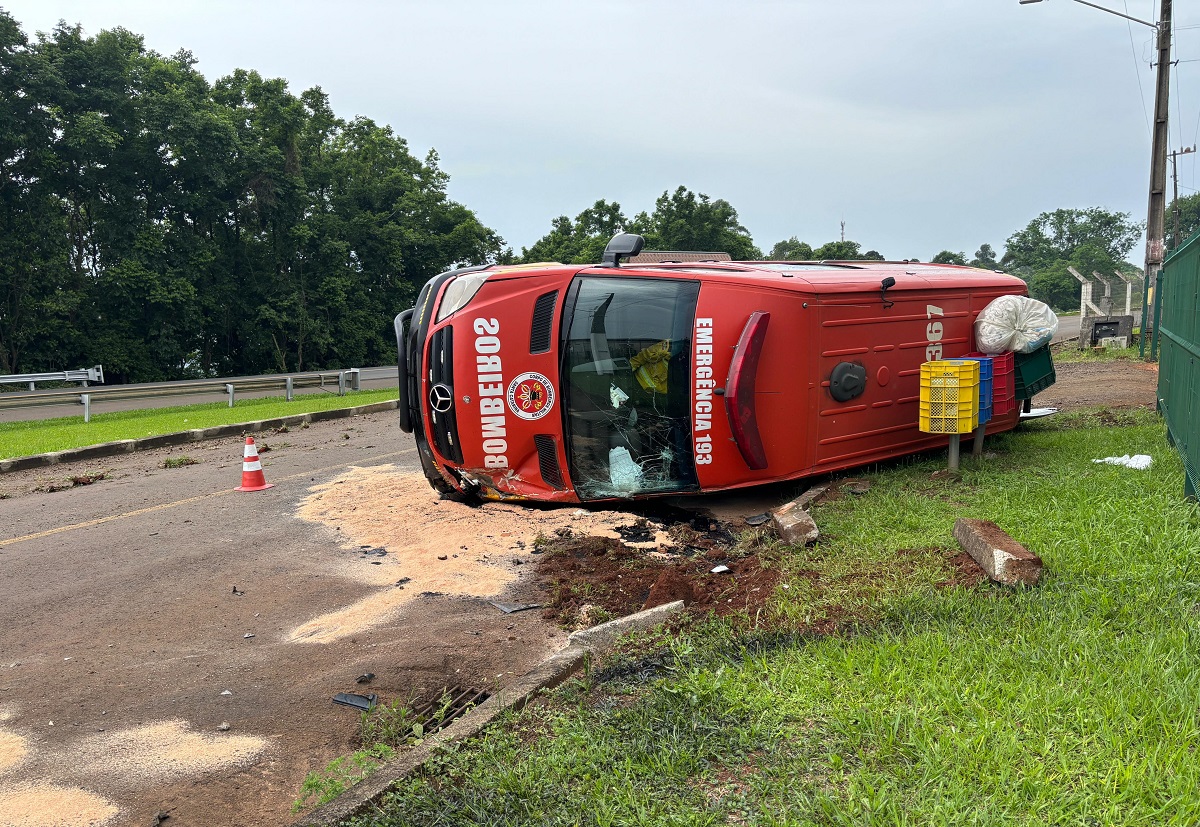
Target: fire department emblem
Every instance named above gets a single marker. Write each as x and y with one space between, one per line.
530 396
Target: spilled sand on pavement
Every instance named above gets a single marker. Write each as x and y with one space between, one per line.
142 755
48 805
431 544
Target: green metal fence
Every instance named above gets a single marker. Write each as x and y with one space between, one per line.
1178 333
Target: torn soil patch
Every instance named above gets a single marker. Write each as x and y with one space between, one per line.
588 579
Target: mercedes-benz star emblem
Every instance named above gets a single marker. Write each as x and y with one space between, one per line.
441 398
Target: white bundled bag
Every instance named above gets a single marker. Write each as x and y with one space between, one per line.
1016 323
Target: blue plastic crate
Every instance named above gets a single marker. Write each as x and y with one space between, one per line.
985 385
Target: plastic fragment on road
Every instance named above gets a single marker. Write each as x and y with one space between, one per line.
1139 462
1038 413
364 702
509 608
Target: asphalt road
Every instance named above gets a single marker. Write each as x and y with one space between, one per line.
124 647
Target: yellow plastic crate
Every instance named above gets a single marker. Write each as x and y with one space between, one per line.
949 397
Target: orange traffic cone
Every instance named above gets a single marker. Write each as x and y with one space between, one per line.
252 473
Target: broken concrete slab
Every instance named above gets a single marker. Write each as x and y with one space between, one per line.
794 524
1003 558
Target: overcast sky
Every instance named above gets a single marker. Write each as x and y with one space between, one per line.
940 124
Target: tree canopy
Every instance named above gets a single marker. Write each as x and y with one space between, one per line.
1089 240
169 228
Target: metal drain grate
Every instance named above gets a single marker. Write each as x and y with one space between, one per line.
449 704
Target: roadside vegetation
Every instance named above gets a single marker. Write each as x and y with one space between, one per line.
18 439
886 688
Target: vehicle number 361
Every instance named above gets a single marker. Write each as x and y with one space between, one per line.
933 333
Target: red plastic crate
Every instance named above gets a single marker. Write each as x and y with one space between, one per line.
1004 389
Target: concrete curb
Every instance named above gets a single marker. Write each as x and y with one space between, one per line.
128 446
551 672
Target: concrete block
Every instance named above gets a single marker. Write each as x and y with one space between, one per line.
794 524
1003 558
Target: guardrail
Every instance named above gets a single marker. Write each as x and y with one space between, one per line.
341 379
83 375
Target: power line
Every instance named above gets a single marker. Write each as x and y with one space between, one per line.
1137 73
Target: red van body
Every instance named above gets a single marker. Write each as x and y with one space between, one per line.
572 383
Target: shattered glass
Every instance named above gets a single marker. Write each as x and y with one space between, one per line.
626 370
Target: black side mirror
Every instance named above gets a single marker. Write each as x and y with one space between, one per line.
622 245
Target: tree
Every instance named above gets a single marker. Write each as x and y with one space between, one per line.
580 242
167 227
685 221
1189 219
985 257
1089 240
791 250
948 257
838 251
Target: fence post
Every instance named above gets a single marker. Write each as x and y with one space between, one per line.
229 390
86 400
288 384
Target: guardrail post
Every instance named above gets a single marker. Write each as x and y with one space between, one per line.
288 384
341 383
355 379
86 400
229 390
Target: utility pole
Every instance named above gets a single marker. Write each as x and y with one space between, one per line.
1187 150
1155 212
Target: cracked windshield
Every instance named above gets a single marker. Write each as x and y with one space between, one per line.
627 354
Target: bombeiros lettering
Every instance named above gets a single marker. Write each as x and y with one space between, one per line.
489 376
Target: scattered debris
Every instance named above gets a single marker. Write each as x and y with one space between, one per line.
1003 558
758 519
1138 462
248 635
509 608
721 569
366 677
443 557
402 581
794 524
88 479
238 591
226 692
223 726
160 817
364 702
856 487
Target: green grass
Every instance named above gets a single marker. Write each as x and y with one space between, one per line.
1071 703
1070 352
39 436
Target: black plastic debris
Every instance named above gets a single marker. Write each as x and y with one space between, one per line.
758 519
364 702
238 591
509 608
366 677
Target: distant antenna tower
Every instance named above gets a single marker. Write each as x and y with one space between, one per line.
843 229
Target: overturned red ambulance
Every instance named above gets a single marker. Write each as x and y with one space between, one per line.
572 383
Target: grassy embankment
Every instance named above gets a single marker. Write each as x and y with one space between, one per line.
1071 703
19 439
